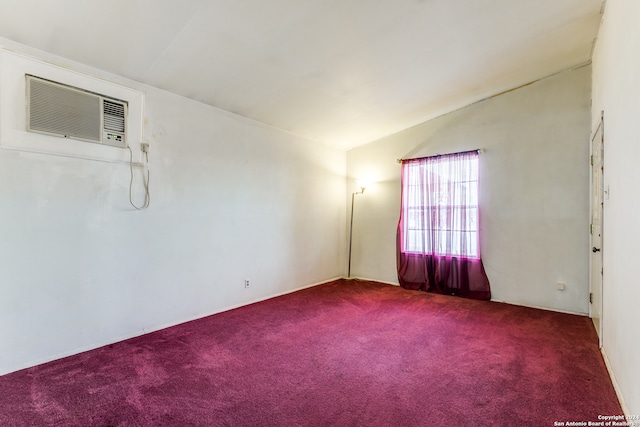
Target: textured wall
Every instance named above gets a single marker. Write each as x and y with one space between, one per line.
616 90
230 199
534 190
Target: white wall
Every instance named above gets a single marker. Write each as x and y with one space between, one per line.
616 90
230 198
534 188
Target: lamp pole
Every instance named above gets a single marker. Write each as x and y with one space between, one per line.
353 197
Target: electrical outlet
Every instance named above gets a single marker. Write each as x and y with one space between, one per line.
560 286
247 283
144 147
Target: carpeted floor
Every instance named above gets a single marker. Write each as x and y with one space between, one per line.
346 353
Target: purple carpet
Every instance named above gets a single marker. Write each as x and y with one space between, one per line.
347 353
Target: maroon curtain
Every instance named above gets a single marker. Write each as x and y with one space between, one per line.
444 275
438 242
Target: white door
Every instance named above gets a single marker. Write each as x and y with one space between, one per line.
597 210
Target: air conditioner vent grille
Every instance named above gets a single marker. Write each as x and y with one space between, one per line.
60 110
113 116
67 111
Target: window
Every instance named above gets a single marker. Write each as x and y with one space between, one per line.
440 205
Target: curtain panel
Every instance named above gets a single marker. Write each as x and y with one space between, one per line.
438 242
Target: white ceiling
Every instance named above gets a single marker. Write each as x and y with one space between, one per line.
342 72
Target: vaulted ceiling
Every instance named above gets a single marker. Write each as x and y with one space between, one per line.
342 72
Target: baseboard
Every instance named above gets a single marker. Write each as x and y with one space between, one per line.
557 310
370 280
155 329
492 300
274 296
616 387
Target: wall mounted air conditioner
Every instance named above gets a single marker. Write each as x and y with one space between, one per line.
54 109
70 112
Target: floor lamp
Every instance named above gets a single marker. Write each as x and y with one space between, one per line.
362 186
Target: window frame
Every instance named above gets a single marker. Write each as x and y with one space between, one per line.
418 237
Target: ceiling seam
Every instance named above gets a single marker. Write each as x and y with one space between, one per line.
170 45
573 68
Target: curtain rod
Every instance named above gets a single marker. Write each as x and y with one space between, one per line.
477 150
